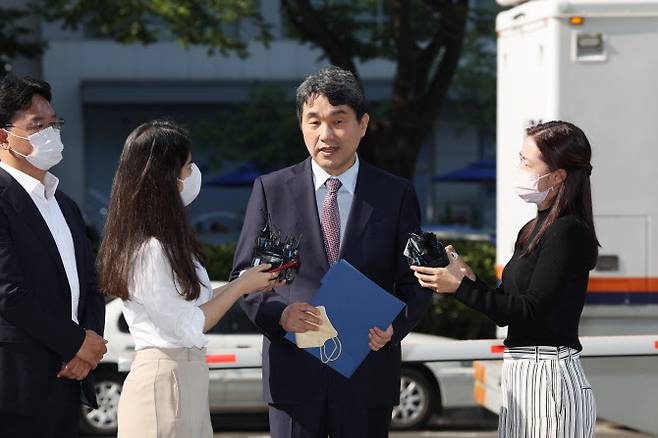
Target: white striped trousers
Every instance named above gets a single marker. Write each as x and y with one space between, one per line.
545 394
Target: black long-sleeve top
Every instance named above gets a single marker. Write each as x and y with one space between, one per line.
541 295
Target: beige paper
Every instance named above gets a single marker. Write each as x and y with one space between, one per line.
317 338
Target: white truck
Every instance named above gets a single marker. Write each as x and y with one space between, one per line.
593 63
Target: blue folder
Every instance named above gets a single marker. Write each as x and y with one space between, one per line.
354 305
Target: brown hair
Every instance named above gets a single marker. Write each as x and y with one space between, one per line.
146 203
564 146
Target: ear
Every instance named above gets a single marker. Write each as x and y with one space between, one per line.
560 175
3 139
363 123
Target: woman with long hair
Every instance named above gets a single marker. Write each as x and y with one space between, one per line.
545 392
151 259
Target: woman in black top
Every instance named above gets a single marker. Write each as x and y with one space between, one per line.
542 293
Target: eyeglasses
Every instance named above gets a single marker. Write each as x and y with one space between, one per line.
39 126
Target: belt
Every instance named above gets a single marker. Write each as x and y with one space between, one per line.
181 354
540 352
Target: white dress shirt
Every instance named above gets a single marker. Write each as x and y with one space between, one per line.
345 193
156 313
43 196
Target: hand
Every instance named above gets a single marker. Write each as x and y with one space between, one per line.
257 280
377 337
300 318
93 348
76 369
444 280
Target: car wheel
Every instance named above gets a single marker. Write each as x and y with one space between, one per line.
418 397
103 421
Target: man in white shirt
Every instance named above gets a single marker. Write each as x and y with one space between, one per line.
51 311
345 209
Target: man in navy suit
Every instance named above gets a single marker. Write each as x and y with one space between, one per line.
51 312
348 209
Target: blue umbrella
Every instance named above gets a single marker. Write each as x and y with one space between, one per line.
477 171
243 176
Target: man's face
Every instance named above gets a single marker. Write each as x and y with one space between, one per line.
332 133
26 122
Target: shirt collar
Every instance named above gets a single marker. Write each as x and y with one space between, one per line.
347 178
33 185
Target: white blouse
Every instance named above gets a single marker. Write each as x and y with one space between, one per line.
156 313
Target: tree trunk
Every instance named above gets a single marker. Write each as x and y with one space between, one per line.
393 145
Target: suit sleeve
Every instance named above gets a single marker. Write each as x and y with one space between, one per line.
407 288
263 308
20 306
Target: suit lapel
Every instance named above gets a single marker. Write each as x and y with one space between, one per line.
308 221
28 211
359 212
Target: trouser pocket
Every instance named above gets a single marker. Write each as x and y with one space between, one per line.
167 391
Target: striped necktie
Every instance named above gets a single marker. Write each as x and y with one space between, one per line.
331 220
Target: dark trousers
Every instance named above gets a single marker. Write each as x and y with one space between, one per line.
317 419
57 417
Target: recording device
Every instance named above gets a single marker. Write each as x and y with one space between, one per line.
282 252
424 249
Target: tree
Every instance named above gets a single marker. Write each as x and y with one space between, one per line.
208 23
15 38
264 130
474 85
423 38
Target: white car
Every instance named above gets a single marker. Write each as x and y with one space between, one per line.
425 388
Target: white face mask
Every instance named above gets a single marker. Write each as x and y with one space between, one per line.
191 186
527 187
47 148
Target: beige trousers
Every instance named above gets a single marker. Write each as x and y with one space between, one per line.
165 395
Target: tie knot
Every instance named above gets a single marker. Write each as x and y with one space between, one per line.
333 185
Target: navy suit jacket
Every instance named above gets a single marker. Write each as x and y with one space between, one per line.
384 210
36 330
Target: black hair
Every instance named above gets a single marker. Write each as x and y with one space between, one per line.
16 94
338 85
145 203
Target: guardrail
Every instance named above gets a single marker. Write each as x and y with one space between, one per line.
445 351
487 372
492 349
216 359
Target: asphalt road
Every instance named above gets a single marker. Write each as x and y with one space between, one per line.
462 423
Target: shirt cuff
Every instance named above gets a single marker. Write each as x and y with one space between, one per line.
465 287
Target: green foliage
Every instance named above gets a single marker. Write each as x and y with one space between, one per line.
210 23
263 131
219 260
423 38
15 37
474 84
363 28
447 316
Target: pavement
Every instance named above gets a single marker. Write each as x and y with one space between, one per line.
458 423
603 430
